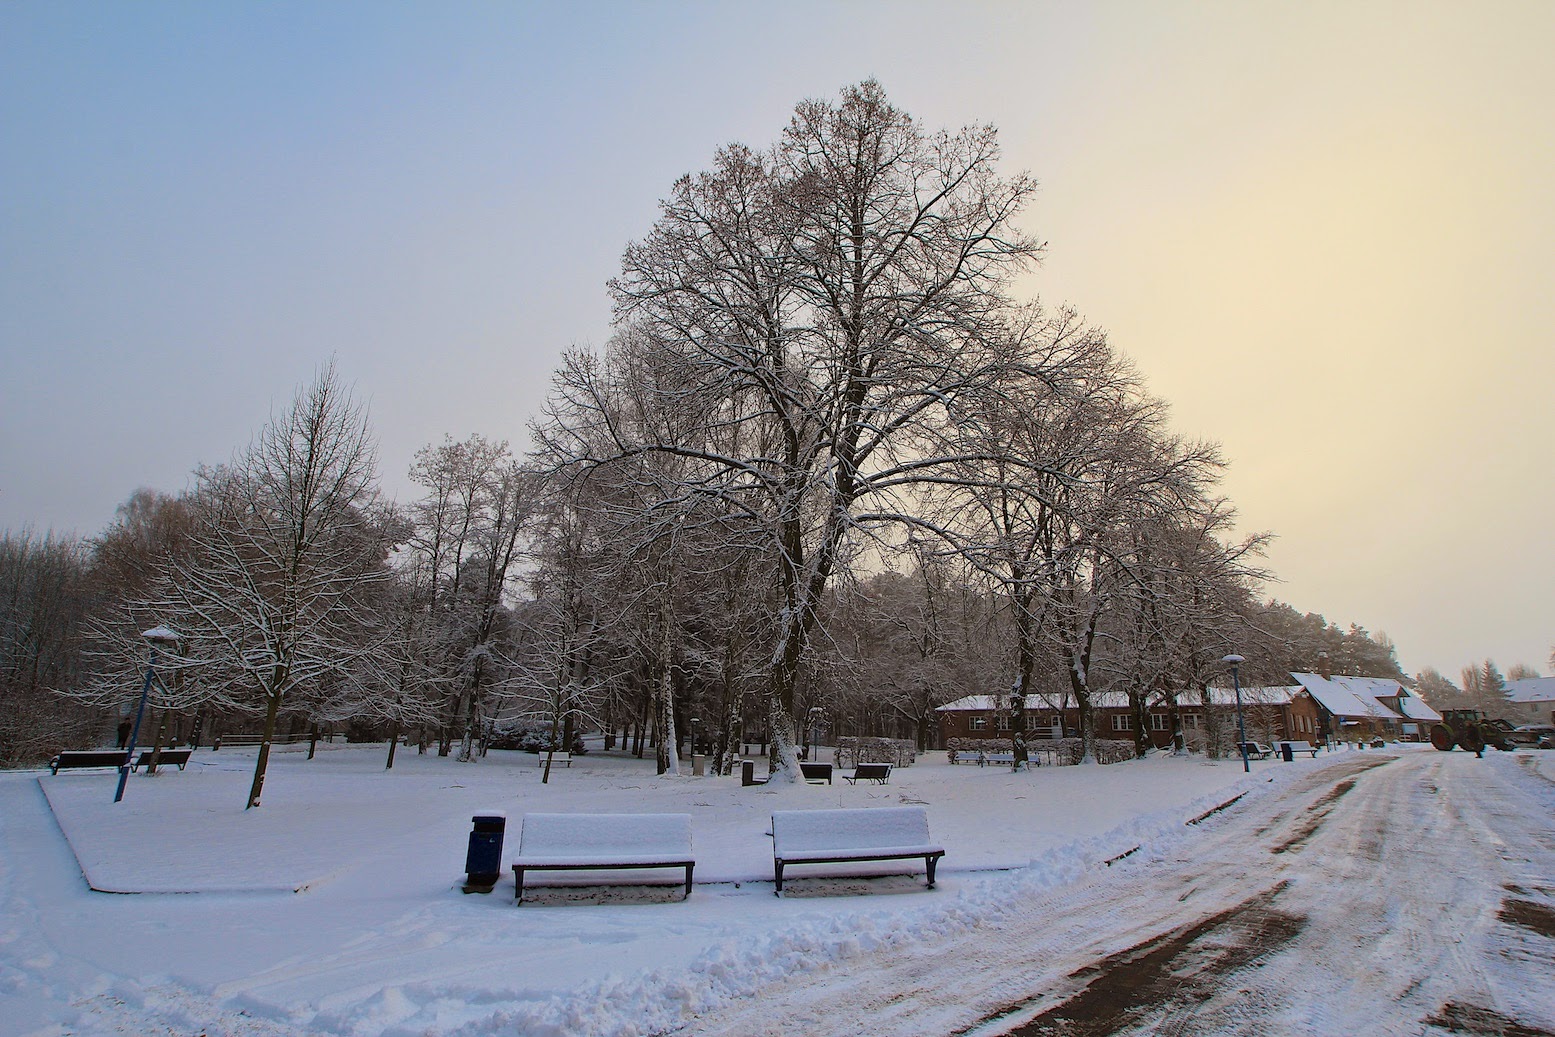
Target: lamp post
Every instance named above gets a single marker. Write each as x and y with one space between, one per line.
1234 661
1018 728
155 637
814 718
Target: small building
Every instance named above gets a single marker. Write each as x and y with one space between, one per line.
1268 714
1531 700
1359 709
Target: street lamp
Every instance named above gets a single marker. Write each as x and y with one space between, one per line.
1018 727
155 637
1234 661
814 718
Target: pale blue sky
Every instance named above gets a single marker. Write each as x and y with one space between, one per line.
1322 230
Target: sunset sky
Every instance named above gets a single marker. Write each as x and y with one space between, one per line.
1325 232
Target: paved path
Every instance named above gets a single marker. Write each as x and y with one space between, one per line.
1382 895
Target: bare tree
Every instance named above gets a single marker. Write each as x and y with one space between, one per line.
273 598
46 598
811 317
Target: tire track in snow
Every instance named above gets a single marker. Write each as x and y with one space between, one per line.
1379 882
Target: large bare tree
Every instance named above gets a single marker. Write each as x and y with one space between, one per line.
273 598
812 315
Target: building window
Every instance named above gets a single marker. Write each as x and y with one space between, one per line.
1122 722
1158 722
1003 724
1190 720
977 724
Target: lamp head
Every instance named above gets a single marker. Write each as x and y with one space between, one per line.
1232 660
161 637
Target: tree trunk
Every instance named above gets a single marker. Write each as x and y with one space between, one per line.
272 709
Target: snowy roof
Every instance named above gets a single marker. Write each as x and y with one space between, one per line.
1352 696
1531 689
1417 709
1187 698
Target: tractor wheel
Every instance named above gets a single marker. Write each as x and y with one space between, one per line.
1471 740
1441 737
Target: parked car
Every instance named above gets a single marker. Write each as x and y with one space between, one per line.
1536 736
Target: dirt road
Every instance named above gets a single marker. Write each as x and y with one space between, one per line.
1410 894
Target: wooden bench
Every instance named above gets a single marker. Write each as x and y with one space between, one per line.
837 836
564 759
1301 747
76 759
880 773
815 773
602 842
1255 750
168 758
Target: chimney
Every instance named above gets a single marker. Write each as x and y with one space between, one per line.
1324 669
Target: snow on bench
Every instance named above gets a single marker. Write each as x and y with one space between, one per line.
602 842
72 759
835 836
565 759
1254 750
1301 747
880 773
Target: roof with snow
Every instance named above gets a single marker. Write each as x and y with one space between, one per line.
1353 696
1417 709
1186 698
1531 689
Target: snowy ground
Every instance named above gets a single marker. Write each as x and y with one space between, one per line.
335 907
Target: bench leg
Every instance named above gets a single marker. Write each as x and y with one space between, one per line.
518 884
688 879
931 861
777 875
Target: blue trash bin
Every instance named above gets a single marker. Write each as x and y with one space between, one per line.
483 861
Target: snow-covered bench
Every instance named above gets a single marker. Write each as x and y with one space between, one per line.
987 758
880 773
815 773
70 760
1254 750
602 842
1301 747
562 759
167 758
836 836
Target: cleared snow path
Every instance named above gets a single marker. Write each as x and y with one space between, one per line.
1381 895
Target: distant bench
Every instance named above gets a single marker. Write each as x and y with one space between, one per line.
986 758
837 836
602 842
879 773
168 758
815 773
1255 750
1301 747
75 759
565 759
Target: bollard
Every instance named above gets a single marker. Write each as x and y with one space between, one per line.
747 772
1287 752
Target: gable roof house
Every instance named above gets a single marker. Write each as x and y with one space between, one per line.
1362 708
1531 700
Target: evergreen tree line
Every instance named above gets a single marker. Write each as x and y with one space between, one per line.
828 472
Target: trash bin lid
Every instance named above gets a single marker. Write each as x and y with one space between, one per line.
490 815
